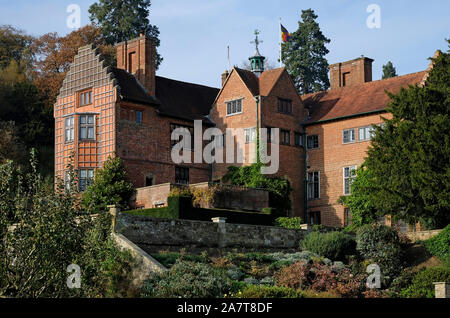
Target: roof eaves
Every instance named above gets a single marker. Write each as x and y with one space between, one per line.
345 117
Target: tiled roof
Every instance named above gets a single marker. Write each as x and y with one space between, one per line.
184 100
262 85
131 89
173 98
356 99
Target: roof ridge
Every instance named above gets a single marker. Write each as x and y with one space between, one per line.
184 82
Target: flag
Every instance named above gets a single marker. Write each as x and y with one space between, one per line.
285 36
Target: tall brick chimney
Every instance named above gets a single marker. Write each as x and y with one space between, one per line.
352 72
224 77
137 57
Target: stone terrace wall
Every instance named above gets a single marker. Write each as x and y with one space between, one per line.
422 235
152 196
153 231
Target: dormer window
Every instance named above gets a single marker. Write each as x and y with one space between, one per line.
85 98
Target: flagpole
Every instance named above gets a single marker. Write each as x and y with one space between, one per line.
279 37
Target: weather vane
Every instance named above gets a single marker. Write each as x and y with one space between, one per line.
256 41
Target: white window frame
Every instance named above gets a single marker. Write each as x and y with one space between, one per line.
368 132
250 135
352 136
88 179
344 178
70 128
238 100
86 125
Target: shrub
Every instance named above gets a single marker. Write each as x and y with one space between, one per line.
318 277
168 259
422 283
187 280
439 245
333 245
288 222
264 291
381 244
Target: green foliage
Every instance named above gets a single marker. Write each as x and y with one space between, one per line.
304 55
381 244
16 46
187 280
289 222
251 176
264 291
163 212
388 70
422 283
42 231
413 150
333 245
439 245
121 21
110 186
360 201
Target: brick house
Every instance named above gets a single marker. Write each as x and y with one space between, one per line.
339 132
130 112
127 111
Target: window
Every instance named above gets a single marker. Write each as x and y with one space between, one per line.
87 127
313 185
347 217
365 133
85 98
284 106
148 181
348 135
220 140
313 141
298 139
182 137
234 107
285 137
250 135
139 116
349 176
85 179
314 218
68 129
345 78
181 175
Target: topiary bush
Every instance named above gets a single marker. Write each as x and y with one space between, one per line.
187 280
333 245
381 245
439 245
422 283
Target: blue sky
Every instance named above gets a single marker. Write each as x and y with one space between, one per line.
195 33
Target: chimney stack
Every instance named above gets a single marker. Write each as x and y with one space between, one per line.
350 73
137 57
224 77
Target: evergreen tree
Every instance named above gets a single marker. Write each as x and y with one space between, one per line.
304 55
409 159
122 20
389 70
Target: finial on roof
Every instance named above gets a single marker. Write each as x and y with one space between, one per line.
257 60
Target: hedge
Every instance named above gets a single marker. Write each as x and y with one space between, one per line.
181 208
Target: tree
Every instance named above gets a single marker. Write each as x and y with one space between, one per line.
124 20
15 46
304 55
410 154
43 231
389 70
57 53
110 186
360 201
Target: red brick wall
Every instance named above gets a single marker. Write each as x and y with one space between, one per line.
145 148
356 71
330 159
